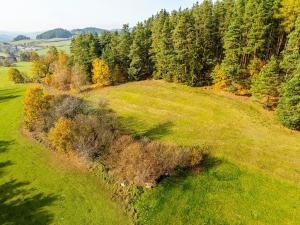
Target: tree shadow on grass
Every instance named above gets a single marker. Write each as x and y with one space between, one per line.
19 204
156 132
178 178
6 98
8 94
159 130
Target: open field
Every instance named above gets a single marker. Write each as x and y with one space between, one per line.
35 186
59 43
252 174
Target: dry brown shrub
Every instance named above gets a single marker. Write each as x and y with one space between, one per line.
144 162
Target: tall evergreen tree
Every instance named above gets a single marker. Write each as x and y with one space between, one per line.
141 66
266 86
85 48
291 54
184 37
207 42
233 45
288 110
157 46
125 41
254 30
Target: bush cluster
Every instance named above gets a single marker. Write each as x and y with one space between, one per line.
15 75
55 69
68 124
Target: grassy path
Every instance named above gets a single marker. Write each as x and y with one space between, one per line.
252 175
36 190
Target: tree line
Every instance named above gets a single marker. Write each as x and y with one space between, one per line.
248 47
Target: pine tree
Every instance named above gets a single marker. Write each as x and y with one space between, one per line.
291 54
207 43
184 37
85 48
233 45
157 46
265 87
288 110
111 51
125 42
141 66
254 29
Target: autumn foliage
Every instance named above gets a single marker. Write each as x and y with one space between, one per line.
101 73
70 125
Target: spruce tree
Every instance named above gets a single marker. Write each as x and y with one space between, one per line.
265 87
141 66
233 45
184 37
291 54
125 42
288 110
254 29
157 46
207 44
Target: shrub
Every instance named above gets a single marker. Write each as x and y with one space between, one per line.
15 75
61 77
288 110
93 135
78 78
144 162
61 135
101 73
220 78
70 124
25 56
36 109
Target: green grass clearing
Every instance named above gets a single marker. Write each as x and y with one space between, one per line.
256 179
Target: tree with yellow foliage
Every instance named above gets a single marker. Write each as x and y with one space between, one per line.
101 73
288 12
36 103
60 136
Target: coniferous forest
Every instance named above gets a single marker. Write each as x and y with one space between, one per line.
247 47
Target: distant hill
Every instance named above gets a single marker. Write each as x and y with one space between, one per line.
92 30
21 37
56 33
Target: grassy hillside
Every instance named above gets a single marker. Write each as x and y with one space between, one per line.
37 187
252 175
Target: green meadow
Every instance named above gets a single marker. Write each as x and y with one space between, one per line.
251 174
37 187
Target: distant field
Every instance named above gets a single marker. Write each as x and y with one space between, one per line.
252 174
36 187
3 54
60 43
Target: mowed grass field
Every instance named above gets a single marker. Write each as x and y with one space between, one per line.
37 187
251 174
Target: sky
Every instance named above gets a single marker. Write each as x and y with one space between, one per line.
41 15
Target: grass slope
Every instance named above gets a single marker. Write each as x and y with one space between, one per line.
252 175
35 187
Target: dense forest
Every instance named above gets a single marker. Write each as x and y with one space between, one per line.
247 47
